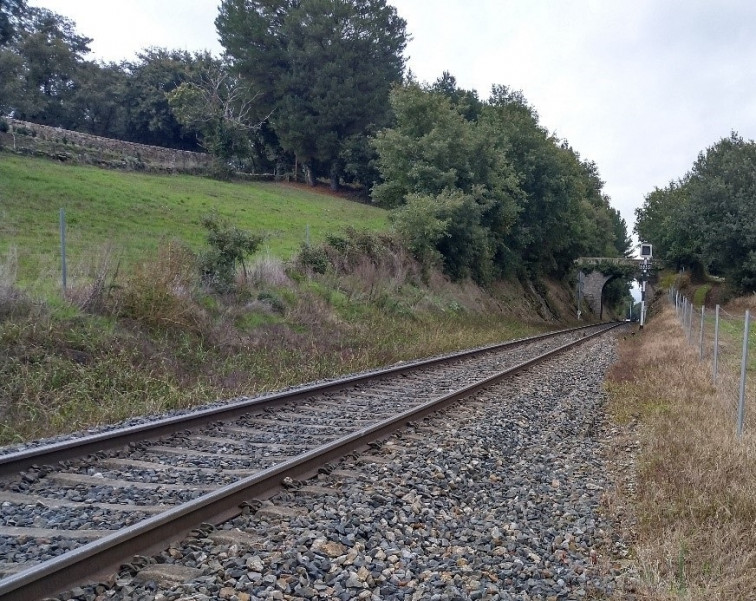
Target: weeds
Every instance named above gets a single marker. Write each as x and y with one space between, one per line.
154 339
158 295
13 302
695 490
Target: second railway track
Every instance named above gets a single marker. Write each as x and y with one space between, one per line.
135 492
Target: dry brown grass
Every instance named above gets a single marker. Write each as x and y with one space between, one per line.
742 303
12 300
158 294
694 494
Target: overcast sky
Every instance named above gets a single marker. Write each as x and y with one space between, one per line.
639 87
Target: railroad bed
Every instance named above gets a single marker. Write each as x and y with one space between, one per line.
55 512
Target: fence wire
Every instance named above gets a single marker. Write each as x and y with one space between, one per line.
725 343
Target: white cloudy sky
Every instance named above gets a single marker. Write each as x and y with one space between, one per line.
639 87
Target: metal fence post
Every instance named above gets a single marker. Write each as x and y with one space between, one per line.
741 400
701 334
716 345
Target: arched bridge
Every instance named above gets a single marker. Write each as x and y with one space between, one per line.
598 271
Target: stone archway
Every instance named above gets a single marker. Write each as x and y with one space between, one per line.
595 272
593 287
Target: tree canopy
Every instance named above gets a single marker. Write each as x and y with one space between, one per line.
39 62
323 67
11 12
707 220
483 188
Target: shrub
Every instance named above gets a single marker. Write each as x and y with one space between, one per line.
268 270
229 247
272 299
313 258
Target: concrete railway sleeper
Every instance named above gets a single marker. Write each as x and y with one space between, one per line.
210 467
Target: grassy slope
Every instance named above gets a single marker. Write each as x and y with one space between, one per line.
131 212
159 340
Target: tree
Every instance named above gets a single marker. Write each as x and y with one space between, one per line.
509 196
229 247
466 102
663 221
623 243
96 105
220 108
11 80
455 195
722 210
324 67
564 214
148 116
49 54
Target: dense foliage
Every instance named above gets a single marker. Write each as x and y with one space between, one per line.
707 220
482 187
323 67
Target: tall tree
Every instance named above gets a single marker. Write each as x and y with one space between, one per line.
324 67
707 220
722 209
562 199
663 220
50 54
466 102
623 243
448 178
97 106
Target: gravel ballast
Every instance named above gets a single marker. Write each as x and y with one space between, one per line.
498 497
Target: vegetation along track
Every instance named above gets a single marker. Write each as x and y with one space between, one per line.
81 507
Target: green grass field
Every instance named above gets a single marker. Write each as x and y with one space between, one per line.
146 334
130 213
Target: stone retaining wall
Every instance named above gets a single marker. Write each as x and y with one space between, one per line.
65 145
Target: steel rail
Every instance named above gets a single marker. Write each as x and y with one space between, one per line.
12 463
105 555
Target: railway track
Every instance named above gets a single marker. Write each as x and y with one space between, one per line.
77 509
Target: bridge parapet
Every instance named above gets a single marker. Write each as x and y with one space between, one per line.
593 261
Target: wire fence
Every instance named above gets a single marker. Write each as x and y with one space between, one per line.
723 341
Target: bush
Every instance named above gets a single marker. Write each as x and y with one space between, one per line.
272 299
4 127
313 258
229 247
14 303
